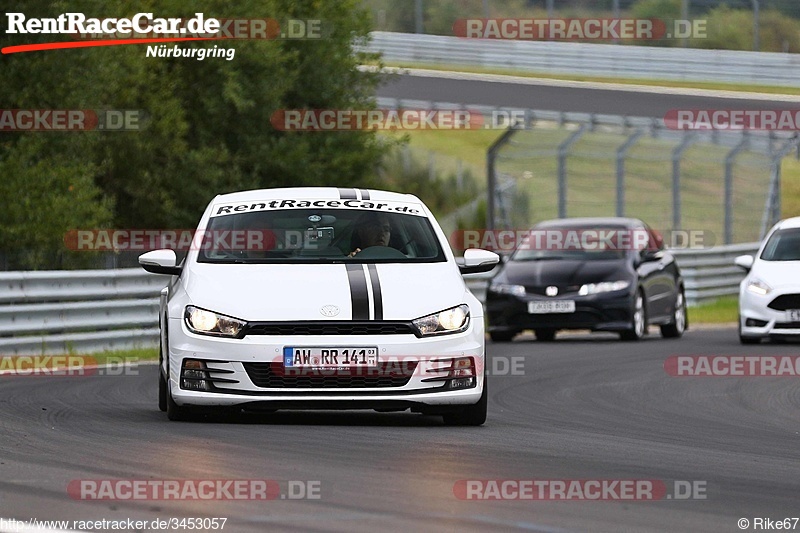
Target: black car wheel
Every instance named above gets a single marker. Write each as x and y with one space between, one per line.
162 382
501 336
639 320
470 415
545 334
677 326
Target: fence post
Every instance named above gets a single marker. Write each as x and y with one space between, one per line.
622 152
563 151
677 154
491 172
730 159
772 208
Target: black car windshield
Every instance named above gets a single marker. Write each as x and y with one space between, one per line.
579 243
783 245
319 235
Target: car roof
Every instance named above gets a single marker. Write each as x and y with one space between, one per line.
793 222
582 222
318 193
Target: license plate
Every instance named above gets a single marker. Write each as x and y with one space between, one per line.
540 307
329 357
793 315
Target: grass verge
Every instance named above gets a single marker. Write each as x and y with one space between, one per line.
682 84
722 311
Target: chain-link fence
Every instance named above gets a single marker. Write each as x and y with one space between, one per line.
726 184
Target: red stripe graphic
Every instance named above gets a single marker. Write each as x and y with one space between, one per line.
112 42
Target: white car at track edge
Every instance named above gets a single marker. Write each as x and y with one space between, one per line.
284 303
769 296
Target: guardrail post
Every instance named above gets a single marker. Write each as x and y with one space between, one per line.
677 154
730 159
622 152
563 151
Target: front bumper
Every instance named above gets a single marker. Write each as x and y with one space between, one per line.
236 367
611 311
757 319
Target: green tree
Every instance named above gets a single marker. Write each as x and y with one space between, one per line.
207 128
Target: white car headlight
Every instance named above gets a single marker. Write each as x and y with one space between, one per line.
756 286
504 288
451 320
605 286
209 323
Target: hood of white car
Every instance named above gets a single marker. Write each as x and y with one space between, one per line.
777 274
275 292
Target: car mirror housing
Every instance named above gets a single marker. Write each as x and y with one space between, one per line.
745 262
160 262
649 256
477 260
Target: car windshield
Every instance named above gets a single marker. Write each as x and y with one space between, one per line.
578 244
319 235
783 245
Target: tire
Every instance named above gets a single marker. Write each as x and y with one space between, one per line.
639 327
162 382
545 334
470 415
162 392
174 411
501 336
747 340
677 326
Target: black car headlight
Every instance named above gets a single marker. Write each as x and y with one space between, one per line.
605 286
207 322
453 320
507 288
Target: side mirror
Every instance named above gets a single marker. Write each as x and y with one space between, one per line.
160 262
477 260
745 262
648 256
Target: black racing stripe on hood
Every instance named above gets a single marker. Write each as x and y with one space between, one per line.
358 291
376 291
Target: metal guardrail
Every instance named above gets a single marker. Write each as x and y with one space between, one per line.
88 311
81 311
642 62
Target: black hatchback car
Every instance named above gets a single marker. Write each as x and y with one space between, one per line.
601 274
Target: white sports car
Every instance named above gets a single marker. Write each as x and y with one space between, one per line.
769 296
321 298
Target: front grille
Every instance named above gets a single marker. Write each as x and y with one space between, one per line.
385 375
330 328
785 301
562 289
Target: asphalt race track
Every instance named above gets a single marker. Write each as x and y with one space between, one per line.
582 407
507 92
